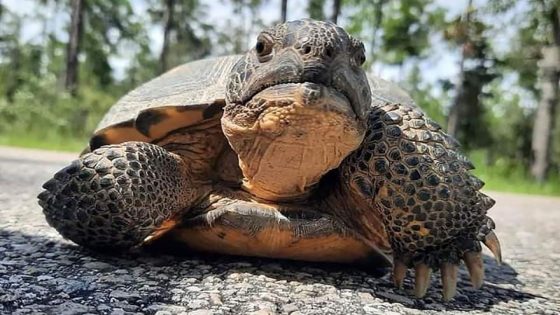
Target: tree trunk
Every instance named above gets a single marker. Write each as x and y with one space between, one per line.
284 11
168 27
549 76
73 47
549 70
458 102
335 11
378 19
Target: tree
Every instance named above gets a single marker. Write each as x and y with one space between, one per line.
73 46
185 34
284 11
169 25
465 119
243 26
315 10
549 76
335 10
536 46
96 28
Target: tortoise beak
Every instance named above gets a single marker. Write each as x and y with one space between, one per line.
340 76
355 88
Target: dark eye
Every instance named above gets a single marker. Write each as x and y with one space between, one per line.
360 57
263 46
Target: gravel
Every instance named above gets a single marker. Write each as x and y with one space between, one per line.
42 273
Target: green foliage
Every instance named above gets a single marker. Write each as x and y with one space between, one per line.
395 31
511 127
421 94
315 9
468 34
189 31
40 111
242 25
502 174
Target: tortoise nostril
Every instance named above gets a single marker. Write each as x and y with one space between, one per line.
329 52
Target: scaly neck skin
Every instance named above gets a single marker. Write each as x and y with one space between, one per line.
277 170
287 150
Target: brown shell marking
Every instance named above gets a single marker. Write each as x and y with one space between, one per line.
185 95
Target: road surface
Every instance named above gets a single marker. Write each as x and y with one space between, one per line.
42 273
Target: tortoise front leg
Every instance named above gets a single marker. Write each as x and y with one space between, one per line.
409 175
118 195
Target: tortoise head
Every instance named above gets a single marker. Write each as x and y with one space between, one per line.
303 51
302 95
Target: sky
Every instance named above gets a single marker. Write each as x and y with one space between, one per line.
442 64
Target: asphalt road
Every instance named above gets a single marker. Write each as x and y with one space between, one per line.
42 273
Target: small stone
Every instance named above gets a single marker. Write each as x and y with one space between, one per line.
215 299
4 298
103 307
44 278
197 304
365 297
372 309
71 308
118 311
174 309
201 312
98 265
123 295
290 308
395 297
72 286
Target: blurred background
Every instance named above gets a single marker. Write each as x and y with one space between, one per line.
488 71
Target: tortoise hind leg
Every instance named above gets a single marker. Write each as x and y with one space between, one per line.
118 195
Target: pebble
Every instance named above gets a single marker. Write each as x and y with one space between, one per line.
125 295
98 265
290 308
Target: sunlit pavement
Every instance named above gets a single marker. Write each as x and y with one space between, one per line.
41 272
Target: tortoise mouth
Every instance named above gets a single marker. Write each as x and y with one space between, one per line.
313 91
308 94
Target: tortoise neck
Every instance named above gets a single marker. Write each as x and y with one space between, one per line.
199 145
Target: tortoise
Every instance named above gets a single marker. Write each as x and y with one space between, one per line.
291 152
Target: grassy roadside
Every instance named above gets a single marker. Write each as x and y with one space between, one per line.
498 177
501 176
45 142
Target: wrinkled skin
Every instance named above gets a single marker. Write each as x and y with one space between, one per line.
314 172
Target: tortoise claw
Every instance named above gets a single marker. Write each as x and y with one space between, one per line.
399 273
449 280
491 241
422 280
474 263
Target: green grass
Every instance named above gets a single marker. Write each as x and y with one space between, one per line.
46 142
504 176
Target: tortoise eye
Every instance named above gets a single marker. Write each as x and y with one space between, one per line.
263 46
360 57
